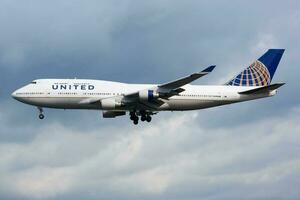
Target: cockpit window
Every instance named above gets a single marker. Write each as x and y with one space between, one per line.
33 82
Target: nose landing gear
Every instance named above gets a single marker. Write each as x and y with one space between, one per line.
41 115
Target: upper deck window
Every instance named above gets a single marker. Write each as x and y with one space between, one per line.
33 82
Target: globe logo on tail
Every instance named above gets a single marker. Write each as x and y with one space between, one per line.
256 74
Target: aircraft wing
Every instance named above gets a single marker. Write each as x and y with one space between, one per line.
172 88
153 97
186 80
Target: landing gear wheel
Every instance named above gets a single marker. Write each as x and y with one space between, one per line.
148 118
143 118
41 116
132 115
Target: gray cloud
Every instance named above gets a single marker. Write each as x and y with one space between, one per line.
173 157
242 151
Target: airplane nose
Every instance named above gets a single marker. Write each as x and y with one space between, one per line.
14 94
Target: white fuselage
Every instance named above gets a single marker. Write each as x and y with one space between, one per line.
77 93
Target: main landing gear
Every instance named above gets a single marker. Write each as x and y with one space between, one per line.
134 118
144 117
41 115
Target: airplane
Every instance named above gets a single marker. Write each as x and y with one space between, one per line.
142 101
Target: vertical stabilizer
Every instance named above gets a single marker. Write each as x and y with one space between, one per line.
260 72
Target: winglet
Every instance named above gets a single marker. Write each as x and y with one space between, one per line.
209 69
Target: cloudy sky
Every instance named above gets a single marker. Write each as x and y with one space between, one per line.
245 151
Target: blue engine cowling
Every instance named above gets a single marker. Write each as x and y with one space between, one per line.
148 95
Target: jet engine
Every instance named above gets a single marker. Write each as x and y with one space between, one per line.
148 95
112 114
110 104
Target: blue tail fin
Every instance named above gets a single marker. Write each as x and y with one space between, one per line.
261 72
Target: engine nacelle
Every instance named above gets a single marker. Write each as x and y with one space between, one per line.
110 104
148 95
112 114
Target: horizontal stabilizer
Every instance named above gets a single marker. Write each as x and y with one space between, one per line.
263 89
